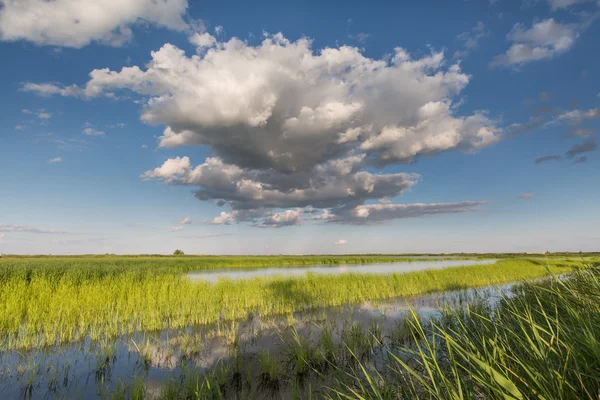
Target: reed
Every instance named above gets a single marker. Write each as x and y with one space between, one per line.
54 301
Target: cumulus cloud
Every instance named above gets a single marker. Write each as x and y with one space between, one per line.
202 40
544 40
526 196
284 218
341 242
175 228
55 160
185 221
291 127
75 23
543 159
580 148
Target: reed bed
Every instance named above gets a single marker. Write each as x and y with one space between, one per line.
542 343
53 301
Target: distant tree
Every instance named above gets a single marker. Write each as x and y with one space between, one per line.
178 252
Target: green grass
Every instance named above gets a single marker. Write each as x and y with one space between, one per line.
543 343
48 301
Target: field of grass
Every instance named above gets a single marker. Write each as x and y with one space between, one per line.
48 301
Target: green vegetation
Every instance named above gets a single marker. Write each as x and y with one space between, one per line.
543 343
540 343
48 301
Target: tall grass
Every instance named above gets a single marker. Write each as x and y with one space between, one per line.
543 343
52 301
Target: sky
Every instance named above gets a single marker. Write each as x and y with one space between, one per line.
136 126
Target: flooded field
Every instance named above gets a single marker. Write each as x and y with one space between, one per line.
302 327
323 269
155 360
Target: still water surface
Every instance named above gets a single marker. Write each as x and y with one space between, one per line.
328 269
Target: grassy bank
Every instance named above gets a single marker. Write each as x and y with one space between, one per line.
543 343
49 301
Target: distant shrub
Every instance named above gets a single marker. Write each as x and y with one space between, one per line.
178 252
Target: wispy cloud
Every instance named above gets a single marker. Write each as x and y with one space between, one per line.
89 131
580 148
175 228
185 221
544 40
208 236
341 242
8 228
526 196
55 160
543 159
471 39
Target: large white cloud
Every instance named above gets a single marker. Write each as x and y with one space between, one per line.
293 128
76 23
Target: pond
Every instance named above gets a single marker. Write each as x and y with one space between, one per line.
214 275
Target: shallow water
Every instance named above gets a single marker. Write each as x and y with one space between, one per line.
92 370
214 275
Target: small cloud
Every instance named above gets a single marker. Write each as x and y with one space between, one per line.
175 228
526 196
144 146
92 132
341 242
218 30
580 160
117 125
543 109
543 159
185 221
27 229
471 39
212 235
26 111
580 148
580 132
546 96
362 37
44 115
20 127
55 160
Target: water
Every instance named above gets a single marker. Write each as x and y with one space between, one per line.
85 370
214 275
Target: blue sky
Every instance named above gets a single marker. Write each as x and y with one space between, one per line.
259 128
